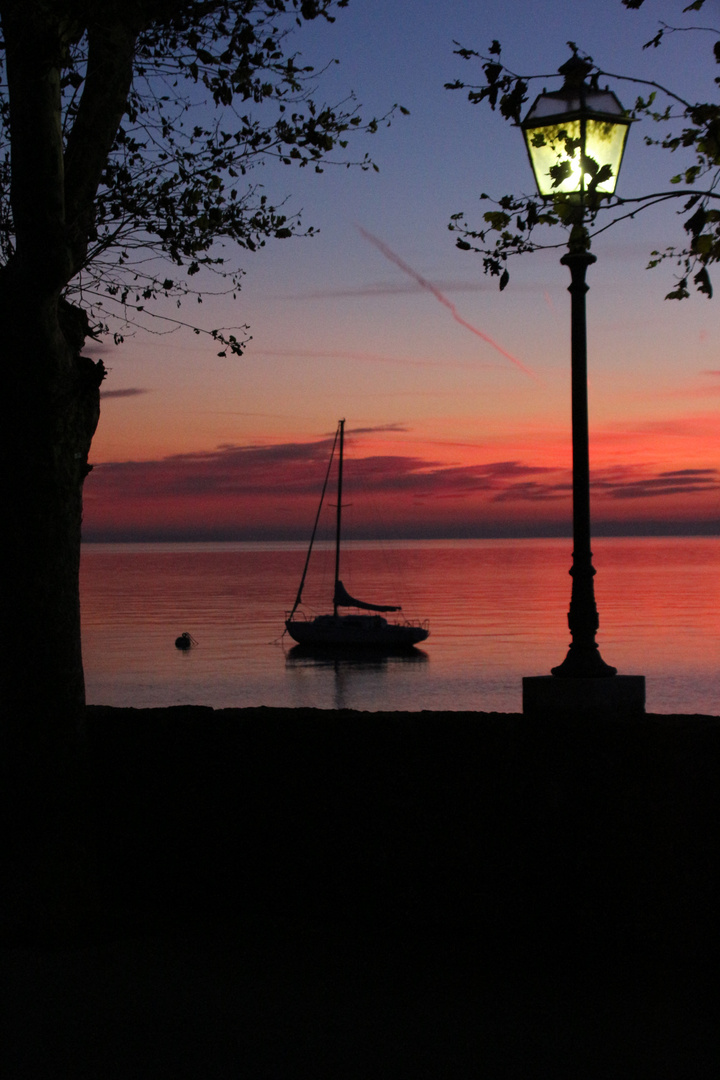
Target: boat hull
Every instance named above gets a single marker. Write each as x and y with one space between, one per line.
355 632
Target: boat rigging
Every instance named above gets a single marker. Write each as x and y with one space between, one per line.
354 631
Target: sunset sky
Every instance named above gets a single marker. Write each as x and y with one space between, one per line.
457 396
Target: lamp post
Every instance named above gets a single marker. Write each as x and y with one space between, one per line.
575 138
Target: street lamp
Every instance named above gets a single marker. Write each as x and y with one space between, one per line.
575 138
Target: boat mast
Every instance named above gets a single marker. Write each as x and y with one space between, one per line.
341 426
298 598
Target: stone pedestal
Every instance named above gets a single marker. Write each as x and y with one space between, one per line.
615 698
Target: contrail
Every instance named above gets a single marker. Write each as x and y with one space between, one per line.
425 284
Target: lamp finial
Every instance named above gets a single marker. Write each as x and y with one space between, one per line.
576 69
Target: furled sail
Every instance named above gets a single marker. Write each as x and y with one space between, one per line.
344 599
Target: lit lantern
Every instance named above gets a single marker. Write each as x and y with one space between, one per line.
576 136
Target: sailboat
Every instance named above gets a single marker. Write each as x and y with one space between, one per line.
354 631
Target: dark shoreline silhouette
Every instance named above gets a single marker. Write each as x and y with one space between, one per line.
282 893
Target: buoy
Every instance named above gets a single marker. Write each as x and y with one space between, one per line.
185 641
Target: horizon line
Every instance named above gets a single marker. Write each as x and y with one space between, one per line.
645 530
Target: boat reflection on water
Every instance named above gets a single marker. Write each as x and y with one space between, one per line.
371 660
349 668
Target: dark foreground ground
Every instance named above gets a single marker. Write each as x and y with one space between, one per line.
275 894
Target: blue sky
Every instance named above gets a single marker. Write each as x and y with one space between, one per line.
340 329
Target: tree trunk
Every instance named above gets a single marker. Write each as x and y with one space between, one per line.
49 408
49 403
49 394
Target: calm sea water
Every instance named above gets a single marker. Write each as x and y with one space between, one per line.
497 611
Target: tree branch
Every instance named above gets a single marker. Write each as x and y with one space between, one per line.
646 82
111 51
34 48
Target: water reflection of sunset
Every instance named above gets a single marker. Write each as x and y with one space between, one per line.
497 611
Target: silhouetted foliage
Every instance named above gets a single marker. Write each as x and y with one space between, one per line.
166 111
131 134
515 224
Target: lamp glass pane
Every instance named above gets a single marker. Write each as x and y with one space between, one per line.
555 153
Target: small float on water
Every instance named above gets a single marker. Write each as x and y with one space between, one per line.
185 641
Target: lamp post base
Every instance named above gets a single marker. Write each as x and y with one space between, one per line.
583 663
584 697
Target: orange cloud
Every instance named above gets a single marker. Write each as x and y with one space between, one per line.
262 492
